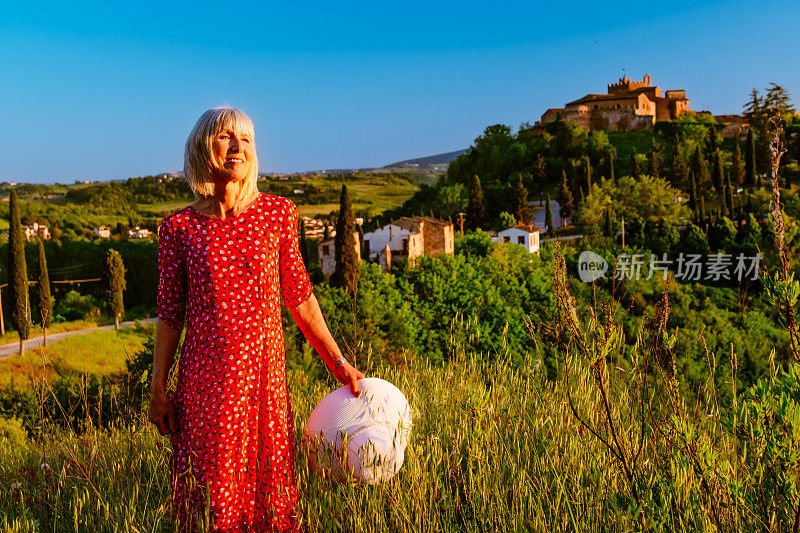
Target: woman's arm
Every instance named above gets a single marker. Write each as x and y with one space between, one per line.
311 322
162 411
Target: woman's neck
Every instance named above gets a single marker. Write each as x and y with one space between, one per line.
225 201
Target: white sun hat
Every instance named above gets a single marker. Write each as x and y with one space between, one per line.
360 438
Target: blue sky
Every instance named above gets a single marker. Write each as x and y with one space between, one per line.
111 90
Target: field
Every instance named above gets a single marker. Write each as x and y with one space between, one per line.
495 446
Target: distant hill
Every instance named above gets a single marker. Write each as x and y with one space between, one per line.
438 159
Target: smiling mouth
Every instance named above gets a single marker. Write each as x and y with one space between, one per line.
234 160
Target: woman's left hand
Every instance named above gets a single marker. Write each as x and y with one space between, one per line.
347 374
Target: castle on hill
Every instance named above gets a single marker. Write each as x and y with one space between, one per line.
628 105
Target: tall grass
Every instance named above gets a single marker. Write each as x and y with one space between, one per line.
494 447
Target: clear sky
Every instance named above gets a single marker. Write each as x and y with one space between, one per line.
111 90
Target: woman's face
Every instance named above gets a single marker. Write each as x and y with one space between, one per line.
232 154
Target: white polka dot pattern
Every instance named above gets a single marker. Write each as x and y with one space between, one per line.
225 277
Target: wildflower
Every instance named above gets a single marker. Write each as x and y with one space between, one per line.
16 485
46 467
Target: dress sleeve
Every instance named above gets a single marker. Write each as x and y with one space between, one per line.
295 283
171 301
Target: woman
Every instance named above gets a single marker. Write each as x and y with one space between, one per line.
224 262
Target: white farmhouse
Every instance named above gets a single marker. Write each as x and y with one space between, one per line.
409 237
104 232
525 235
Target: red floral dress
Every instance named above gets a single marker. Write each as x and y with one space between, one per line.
235 445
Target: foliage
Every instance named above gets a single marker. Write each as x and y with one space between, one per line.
74 306
346 273
17 271
476 207
114 283
646 197
45 301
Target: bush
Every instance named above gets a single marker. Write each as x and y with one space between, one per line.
74 306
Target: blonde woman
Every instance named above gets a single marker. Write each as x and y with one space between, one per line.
224 263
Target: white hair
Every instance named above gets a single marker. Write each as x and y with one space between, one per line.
197 158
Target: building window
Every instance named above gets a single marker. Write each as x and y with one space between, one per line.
520 240
506 238
326 249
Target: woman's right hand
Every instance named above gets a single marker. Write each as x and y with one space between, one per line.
163 414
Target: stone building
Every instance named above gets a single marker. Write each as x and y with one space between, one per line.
36 230
327 254
628 105
409 237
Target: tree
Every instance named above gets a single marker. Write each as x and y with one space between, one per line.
703 209
633 166
737 169
693 194
45 303
751 178
610 222
17 273
719 178
303 244
566 204
587 168
522 209
611 155
729 194
700 169
722 234
777 101
506 220
346 273
476 207
115 284
655 158
679 174
548 214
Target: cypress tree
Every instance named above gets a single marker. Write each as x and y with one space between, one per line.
17 273
751 178
115 284
633 166
700 169
548 214
655 159
476 208
719 178
45 305
737 168
540 172
729 196
566 203
346 272
326 233
723 205
522 210
703 209
711 139
611 154
693 194
303 243
679 171
609 223
587 168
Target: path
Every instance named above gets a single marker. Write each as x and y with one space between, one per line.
37 342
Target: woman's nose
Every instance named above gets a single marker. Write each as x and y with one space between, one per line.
233 144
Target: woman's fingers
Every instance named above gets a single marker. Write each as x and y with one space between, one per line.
354 385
